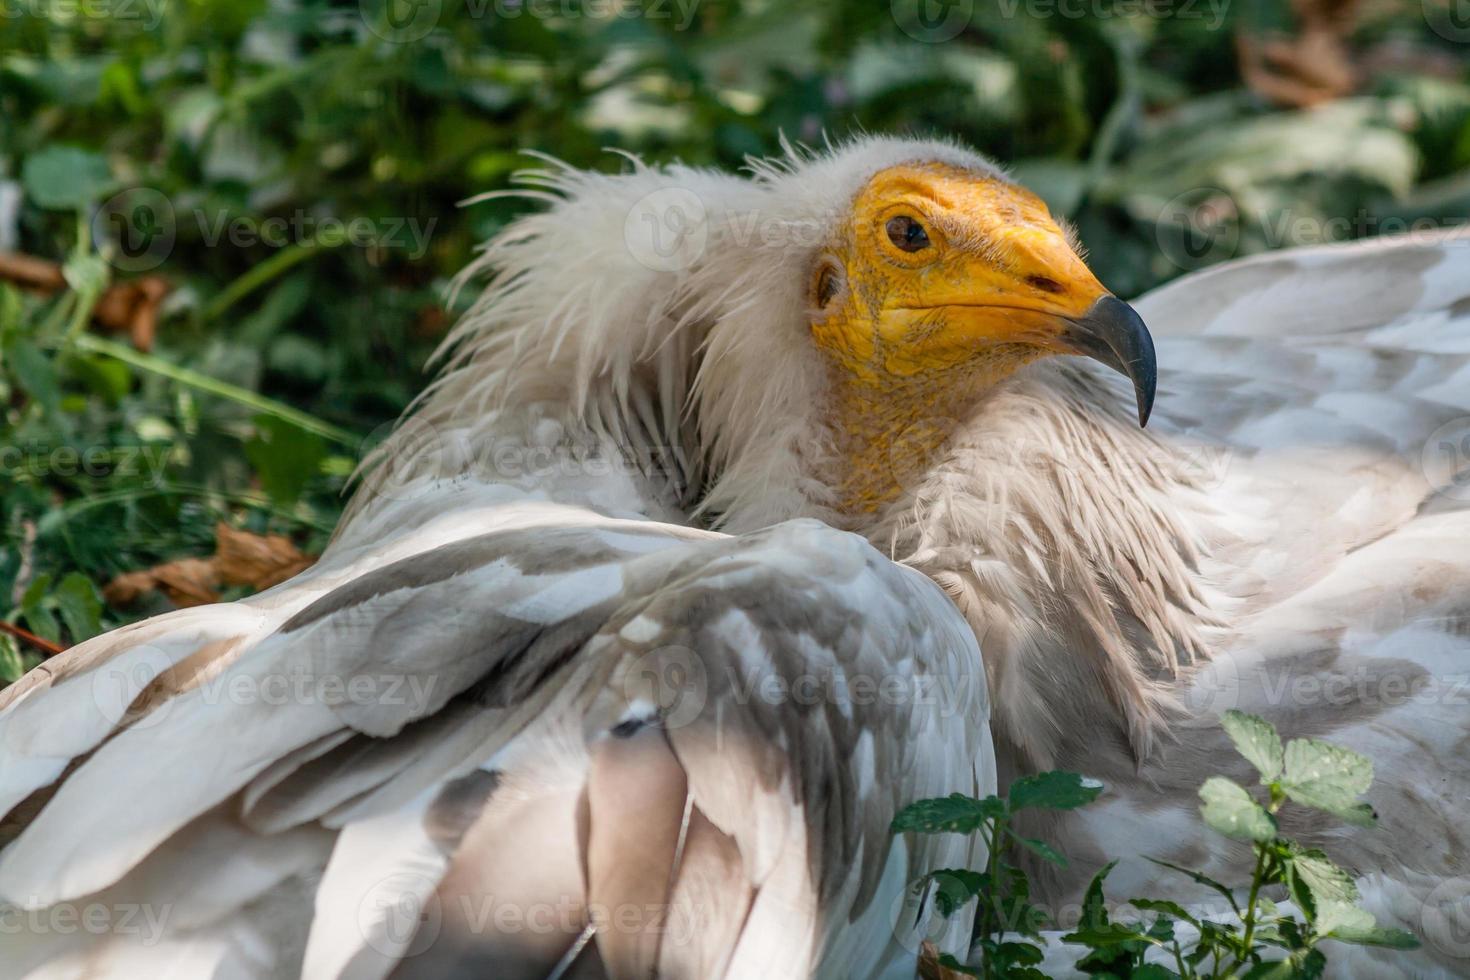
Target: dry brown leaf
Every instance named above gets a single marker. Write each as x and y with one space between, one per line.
125 307
931 969
1314 66
243 558
240 558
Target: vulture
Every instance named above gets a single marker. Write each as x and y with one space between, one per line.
743 512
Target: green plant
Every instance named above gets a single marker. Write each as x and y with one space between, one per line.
1258 939
1007 926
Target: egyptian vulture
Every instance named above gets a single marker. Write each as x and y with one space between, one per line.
744 511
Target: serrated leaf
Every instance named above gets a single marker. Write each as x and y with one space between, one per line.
1053 790
1326 881
1255 739
1330 778
65 177
953 814
1333 915
1374 935
1229 809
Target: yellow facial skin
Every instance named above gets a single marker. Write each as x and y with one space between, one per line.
915 335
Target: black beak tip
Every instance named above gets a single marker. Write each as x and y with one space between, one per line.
1113 333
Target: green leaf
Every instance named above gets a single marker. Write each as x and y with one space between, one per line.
1053 790
35 373
87 273
1274 970
65 177
1199 879
1255 739
1329 778
285 456
1105 936
1152 971
1326 881
948 961
1023 954
1352 930
1042 849
80 606
954 814
35 592
1094 909
954 887
1229 809
1164 907
42 622
1303 965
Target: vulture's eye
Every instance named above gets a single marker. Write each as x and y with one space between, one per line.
907 234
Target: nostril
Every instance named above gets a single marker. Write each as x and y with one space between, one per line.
1044 284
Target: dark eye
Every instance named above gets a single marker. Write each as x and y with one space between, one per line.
907 234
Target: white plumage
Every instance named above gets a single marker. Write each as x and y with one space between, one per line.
565 579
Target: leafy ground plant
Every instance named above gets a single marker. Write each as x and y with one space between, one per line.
1258 939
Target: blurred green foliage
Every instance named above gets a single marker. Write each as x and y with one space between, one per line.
293 168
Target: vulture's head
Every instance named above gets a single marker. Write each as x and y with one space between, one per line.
950 278
803 340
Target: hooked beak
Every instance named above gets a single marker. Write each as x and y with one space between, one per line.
1112 333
